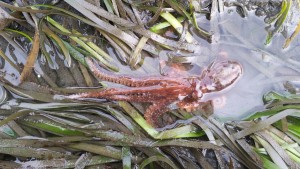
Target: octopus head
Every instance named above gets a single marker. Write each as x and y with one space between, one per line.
220 75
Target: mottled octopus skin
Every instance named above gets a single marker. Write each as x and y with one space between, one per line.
161 91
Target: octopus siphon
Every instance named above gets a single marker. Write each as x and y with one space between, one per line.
162 91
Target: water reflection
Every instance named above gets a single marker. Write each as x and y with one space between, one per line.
265 67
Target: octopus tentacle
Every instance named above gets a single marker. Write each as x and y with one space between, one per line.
127 80
134 98
150 94
155 110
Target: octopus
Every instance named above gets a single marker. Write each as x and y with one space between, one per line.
161 91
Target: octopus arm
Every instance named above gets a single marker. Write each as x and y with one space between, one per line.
133 98
155 110
127 80
150 94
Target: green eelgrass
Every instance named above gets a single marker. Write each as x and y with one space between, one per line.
180 132
177 26
280 19
87 47
157 27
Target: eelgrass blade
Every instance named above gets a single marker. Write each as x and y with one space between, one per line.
86 9
67 163
126 122
283 154
157 27
45 47
286 4
180 9
34 152
291 149
177 26
138 118
272 111
292 37
272 153
293 125
106 151
2 54
82 161
75 53
250 151
60 44
94 46
22 9
264 124
158 158
126 158
7 132
180 132
136 55
47 125
14 116
35 95
19 32
33 54
269 164
84 45
229 141
108 5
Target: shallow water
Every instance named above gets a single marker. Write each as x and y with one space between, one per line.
265 68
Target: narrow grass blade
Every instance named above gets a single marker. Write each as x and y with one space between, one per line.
136 55
23 9
286 4
60 44
34 153
75 54
292 37
66 163
272 153
157 27
83 44
14 116
33 54
107 151
158 158
180 132
126 158
2 54
50 126
177 25
264 124
19 32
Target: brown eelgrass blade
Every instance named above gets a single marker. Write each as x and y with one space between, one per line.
292 37
136 55
32 56
23 9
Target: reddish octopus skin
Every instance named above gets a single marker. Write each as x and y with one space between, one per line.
161 91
